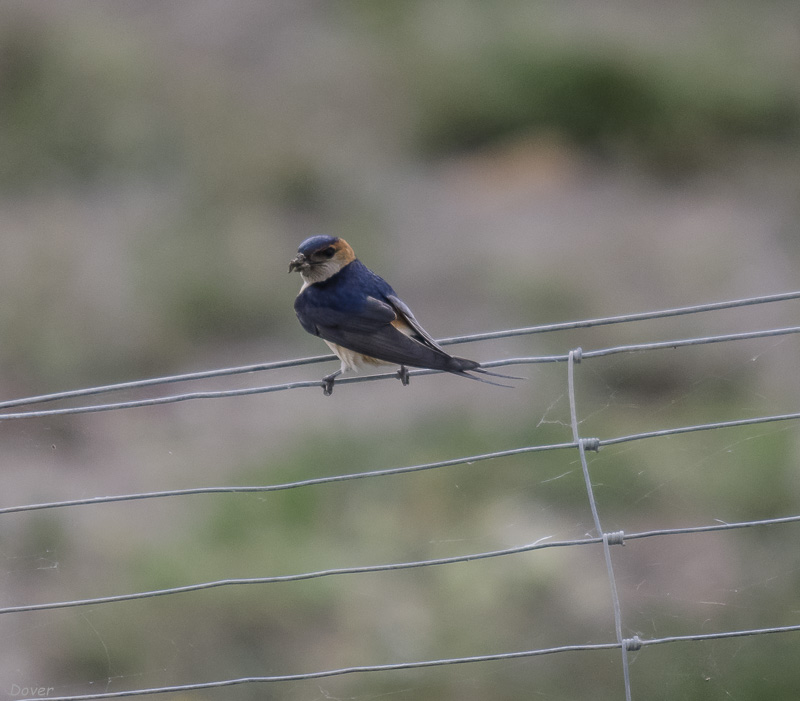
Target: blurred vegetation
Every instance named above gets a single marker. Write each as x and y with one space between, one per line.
491 78
81 111
72 111
500 604
615 105
232 175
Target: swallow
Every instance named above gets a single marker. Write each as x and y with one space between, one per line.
361 318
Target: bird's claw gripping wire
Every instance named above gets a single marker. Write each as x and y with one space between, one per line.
402 374
327 383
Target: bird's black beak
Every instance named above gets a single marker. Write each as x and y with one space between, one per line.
299 262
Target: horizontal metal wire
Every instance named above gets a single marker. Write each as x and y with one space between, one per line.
633 643
333 673
220 394
593 444
541 544
507 333
581 443
287 485
626 318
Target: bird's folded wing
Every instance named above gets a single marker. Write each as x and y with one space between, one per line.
388 344
405 314
371 316
370 330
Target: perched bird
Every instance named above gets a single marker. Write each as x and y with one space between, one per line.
361 317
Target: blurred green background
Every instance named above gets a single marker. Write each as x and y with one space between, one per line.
503 165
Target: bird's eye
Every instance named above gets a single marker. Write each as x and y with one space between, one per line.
327 252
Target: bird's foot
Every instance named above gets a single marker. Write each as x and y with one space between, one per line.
327 383
402 373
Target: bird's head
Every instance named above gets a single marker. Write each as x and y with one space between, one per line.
319 257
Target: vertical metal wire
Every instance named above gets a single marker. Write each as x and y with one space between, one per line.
608 538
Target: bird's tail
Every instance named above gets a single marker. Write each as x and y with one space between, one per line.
465 367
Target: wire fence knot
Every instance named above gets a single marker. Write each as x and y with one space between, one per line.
592 444
576 355
632 644
615 538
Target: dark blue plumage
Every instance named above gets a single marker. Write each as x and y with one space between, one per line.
357 309
361 317
344 295
315 243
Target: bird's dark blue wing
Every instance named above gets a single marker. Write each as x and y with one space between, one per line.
315 314
405 314
393 346
360 311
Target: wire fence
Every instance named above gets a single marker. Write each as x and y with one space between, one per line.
582 444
